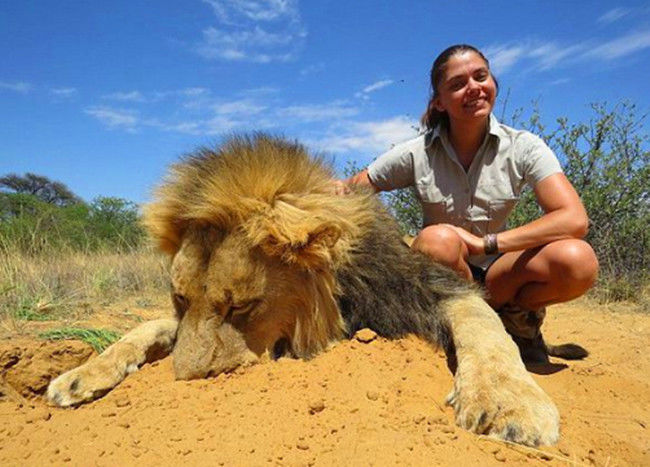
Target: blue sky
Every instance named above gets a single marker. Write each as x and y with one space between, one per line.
104 95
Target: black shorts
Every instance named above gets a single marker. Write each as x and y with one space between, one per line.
479 273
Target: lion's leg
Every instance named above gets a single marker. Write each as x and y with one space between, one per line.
148 342
493 393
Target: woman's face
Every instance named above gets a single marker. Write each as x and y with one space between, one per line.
467 90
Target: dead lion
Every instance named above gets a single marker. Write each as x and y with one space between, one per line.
266 260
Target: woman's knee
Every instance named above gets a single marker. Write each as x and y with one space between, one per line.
577 262
441 243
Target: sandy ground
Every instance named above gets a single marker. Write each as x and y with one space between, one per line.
376 403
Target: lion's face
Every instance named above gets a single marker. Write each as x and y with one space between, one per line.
236 302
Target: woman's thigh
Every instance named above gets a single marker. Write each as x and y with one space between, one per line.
556 272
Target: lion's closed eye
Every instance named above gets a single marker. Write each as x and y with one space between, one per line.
243 308
181 304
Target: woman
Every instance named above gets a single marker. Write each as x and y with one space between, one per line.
468 171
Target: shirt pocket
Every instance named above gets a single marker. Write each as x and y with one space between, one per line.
498 211
437 212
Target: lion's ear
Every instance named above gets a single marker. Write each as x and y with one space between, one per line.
295 236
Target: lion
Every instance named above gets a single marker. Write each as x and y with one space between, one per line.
266 261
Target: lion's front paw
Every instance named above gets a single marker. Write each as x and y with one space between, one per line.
505 406
85 383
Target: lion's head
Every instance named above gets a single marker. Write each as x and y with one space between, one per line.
255 235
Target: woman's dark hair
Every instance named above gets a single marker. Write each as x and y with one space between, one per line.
432 116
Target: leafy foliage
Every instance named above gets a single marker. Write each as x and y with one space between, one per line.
32 225
608 162
43 188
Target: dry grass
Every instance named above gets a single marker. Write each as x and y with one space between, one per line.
49 286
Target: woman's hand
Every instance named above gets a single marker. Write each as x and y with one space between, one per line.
340 188
473 243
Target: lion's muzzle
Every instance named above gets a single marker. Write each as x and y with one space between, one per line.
208 349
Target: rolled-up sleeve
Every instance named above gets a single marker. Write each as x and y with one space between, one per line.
537 161
393 169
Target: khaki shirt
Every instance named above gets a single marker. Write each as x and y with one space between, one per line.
478 200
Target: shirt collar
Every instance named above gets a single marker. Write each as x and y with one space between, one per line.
494 128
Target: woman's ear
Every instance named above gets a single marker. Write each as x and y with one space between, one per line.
438 105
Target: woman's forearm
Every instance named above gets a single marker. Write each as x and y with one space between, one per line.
555 225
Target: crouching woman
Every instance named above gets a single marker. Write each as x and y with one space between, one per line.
468 170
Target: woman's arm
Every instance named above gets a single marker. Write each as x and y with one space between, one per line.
360 179
565 217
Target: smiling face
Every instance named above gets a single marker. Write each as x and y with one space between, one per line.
467 90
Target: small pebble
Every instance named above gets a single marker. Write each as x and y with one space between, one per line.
365 335
372 395
316 406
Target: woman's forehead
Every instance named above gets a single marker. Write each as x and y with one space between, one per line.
466 62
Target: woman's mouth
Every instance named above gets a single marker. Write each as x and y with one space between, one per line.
474 102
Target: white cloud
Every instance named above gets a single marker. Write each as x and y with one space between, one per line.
260 31
363 94
378 85
19 86
370 137
129 96
63 92
614 15
246 107
318 112
502 57
115 118
194 91
550 54
229 11
311 69
540 55
622 46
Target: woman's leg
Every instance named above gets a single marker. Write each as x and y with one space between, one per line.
553 273
444 246
521 284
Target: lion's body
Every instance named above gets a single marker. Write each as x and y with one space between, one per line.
266 259
387 287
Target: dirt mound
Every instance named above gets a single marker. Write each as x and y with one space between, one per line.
27 367
367 401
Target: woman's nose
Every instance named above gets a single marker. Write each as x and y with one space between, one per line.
473 85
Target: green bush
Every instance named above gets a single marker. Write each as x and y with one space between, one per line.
33 226
607 161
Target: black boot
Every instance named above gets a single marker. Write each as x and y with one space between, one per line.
525 328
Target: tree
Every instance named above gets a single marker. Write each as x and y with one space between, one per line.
47 190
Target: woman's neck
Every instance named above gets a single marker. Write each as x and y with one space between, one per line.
466 138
